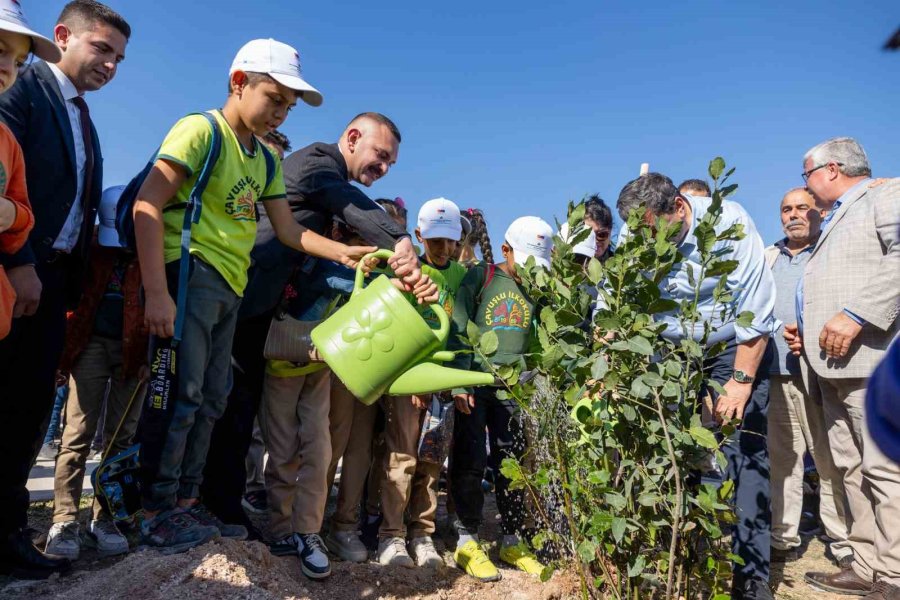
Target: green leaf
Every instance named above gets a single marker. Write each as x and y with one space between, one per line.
639 389
618 528
629 413
615 500
745 319
599 477
473 333
653 379
637 567
587 551
716 167
489 342
704 437
548 319
641 345
599 368
595 271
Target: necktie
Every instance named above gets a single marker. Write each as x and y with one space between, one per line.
88 139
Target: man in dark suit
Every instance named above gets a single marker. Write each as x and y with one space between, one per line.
46 111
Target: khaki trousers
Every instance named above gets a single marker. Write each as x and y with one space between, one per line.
405 485
98 366
797 424
871 481
293 418
351 423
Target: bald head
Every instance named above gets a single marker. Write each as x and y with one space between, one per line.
370 145
800 219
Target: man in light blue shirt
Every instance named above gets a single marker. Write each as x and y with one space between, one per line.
742 369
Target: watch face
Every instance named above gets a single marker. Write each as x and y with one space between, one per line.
742 377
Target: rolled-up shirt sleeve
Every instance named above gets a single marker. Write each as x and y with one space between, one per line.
752 283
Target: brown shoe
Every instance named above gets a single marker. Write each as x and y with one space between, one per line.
884 591
845 581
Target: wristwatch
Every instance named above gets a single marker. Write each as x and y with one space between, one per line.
742 377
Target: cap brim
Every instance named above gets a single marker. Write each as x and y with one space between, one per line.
308 93
522 257
447 233
42 47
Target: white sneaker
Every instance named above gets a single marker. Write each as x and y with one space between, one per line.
425 554
64 539
346 546
392 552
108 538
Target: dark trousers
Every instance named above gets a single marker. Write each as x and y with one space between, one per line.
225 476
507 439
748 466
29 356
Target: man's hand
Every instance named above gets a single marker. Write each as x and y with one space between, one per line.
7 214
159 315
838 334
405 264
793 338
419 402
464 403
28 288
732 404
351 255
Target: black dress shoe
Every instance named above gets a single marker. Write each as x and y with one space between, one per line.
784 556
756 589
21 560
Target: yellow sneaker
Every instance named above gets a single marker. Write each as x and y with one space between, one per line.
521 558
472 558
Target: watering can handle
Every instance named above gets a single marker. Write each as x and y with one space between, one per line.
441 333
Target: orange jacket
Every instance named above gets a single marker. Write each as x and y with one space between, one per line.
12 187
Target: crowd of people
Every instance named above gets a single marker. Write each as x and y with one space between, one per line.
235 238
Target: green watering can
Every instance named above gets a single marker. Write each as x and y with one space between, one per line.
378 343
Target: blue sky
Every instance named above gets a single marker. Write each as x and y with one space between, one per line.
517 107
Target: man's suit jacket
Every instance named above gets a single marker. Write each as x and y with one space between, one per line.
35 111
856 265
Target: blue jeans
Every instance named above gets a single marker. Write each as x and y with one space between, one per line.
748 466
62 392
175 440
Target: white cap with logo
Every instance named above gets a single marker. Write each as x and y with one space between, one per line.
586 247
278 60
106 216
439 218
13 19
530 236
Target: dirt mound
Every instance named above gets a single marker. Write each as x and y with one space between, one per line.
246 570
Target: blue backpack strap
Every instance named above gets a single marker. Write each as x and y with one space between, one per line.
192 215
270 165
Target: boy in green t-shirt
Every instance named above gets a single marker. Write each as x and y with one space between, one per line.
492 298
264 84
409 484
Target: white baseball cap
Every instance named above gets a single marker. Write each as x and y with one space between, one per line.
106 215
586 247
278 60
530 236
439 218
13 19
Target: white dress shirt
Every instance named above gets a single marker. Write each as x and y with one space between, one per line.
68 235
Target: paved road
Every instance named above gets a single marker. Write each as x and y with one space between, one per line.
40 481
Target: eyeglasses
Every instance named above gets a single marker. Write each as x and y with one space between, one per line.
805 175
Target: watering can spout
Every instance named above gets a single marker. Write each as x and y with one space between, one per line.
429 377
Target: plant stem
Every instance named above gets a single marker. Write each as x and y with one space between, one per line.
676 514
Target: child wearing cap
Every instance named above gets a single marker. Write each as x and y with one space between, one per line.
492 298
264 84
409 484
17 41
106 343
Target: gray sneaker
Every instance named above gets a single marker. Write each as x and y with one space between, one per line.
64 539
205 517
346 546
175 531
107 537
392 552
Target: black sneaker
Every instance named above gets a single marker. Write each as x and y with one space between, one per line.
175 531
285 547
785 556
755 589
256 502
313 559
205 517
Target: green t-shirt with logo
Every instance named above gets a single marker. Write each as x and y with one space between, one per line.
447 279
226 231
498 305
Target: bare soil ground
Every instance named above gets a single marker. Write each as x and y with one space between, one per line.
246 570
